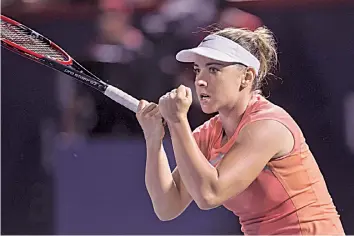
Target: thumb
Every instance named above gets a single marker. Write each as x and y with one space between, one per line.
142 104
181 91
188 93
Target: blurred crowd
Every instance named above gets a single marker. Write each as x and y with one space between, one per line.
142 37
134 49
132 44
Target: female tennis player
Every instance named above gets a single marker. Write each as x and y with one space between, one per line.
251 157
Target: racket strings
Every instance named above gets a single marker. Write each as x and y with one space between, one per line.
22 38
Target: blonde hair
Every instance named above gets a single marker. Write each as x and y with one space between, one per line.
261 44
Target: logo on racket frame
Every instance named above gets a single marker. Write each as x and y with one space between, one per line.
79 76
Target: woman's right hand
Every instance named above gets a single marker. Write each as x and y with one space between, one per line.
150 120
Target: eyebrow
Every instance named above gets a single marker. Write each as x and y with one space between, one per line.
212 63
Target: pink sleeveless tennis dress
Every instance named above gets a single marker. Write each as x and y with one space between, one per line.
290 195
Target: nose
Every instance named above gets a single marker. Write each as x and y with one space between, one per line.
200 82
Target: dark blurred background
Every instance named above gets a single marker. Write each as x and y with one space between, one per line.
73 160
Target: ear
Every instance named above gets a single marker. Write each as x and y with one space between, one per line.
250 75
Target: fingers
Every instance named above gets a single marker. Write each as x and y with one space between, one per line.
164 98
148 109
188 92
181 91
145 106
184 92
154 112
142 104
173 93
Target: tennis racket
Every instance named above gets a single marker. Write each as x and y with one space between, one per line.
26 42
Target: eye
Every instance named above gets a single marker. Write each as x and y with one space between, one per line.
213 70
196 70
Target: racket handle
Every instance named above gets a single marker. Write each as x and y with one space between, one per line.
122 98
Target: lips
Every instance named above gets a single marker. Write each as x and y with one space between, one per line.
204 96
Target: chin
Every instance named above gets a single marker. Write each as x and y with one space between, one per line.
208 110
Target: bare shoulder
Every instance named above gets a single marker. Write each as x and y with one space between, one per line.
267 134
256 144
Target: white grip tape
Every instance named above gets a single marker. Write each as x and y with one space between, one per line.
122 98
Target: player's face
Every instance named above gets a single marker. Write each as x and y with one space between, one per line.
217 83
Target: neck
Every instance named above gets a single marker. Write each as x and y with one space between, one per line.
230 117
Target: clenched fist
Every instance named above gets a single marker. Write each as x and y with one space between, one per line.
174 105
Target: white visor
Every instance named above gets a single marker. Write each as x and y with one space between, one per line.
221 49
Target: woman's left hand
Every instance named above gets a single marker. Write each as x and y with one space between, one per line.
174 105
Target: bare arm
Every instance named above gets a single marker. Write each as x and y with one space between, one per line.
167 192
257 143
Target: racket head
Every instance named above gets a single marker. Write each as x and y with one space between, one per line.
26 42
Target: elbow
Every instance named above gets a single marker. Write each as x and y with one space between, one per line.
165 217
166 213
208 201
208 197
215 196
